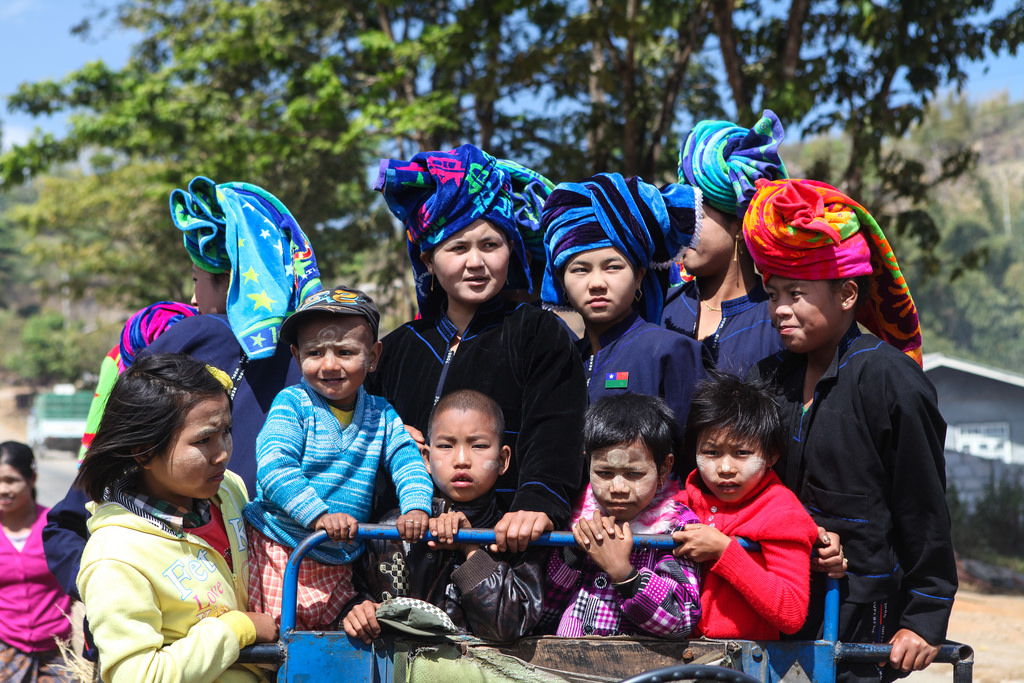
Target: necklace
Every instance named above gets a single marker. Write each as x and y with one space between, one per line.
709 307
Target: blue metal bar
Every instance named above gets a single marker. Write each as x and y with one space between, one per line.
479 536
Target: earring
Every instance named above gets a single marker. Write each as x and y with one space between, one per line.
639 294
736 249
431 283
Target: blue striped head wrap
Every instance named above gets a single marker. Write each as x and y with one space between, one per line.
649 226
244 230
436 194
725 160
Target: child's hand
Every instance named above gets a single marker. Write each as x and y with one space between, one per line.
444 526
830 557
338 525
911 652
700 543
607 544
361 621
266 626
412 525
515 530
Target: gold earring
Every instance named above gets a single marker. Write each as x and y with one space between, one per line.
431 283
736 249
639 294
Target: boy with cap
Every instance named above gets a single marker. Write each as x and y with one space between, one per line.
318 455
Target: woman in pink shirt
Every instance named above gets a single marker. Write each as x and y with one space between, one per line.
32 605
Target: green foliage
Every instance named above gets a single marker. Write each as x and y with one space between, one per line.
993 527
302 98
50 349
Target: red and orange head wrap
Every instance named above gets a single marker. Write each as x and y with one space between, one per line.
808 230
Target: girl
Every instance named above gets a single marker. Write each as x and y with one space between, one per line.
604 586
33 608
163 575
609 243
865 434
465 246
735 493
724 305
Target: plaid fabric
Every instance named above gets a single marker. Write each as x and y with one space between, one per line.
38 667
323 588
164 515
664 600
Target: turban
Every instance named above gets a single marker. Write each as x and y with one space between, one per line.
244 230
649 226
148 324
808 230
437 194
725 161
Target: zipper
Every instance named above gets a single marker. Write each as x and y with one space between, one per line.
444 373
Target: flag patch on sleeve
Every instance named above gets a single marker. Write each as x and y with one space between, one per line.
616 380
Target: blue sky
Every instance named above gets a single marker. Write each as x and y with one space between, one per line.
36 44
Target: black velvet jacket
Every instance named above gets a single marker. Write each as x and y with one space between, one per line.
522 357
866 460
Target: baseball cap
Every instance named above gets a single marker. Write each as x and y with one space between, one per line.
340 301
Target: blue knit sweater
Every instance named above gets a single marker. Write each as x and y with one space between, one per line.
307 466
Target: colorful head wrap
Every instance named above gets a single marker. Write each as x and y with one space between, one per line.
808 230
649 226
437 194
725 161
146 325
244 230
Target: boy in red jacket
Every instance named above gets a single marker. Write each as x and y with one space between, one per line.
735 493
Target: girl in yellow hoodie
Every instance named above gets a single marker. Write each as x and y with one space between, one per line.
164 573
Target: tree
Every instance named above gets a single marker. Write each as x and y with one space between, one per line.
303 97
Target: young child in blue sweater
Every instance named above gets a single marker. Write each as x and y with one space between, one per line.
317 459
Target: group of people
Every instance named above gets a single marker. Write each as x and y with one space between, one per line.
722 391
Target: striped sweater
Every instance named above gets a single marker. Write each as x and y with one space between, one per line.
308 466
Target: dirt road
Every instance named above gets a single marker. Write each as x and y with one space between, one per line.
994 626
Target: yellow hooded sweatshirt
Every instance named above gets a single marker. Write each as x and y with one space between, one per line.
163 608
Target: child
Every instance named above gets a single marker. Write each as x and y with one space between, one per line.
610 242
735 493
164 571
493 596
464 225
865 434
724 305
606 587
318 456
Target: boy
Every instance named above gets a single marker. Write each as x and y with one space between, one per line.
865 434
604 586
735 494
317 458
495 597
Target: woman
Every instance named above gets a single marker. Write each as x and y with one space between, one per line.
724 305
610 242
33 608
465 246
251 265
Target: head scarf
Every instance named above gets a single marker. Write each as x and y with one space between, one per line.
649 226
807 230
146 325
437 194
244 230
725 161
